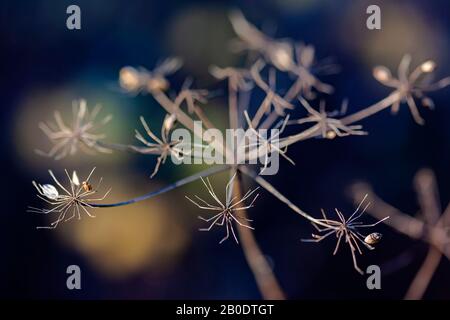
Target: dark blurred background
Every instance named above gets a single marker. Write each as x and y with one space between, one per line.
152 250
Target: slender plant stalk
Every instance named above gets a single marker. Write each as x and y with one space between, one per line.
203 118
233 103
267 123
119 147
265 279
266 185
423 277
371 110
167 188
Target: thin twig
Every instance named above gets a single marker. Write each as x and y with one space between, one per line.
233 102
265 279
167 188
371 110
266 185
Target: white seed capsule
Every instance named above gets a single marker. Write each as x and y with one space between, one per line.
50 191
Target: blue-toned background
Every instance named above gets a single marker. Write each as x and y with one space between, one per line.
153 249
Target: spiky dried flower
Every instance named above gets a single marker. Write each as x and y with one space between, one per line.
228 211
330 127
74 199
81 134
139 80
162 147
347 229
412 85
306 70
266 145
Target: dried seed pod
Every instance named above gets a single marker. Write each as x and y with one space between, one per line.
373 238
331 134
157 83
86 186
130 79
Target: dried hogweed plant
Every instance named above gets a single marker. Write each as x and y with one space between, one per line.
74 199
228 210
265 56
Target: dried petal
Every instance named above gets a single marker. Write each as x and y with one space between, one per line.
75 179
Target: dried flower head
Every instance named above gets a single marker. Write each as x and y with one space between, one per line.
135 81
272 98
266 145
228 211
307 69
81 134
74 199
347 229
329 127
162 147
412 85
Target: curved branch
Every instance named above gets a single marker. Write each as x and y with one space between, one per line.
167 188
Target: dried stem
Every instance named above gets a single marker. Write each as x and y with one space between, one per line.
167 188
371 110
266 185
265 279
423 277
203 118
233 102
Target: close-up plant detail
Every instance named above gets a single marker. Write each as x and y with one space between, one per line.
349 230
289 115
228 210
73 200
430 226
67 139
